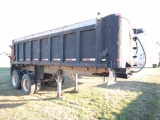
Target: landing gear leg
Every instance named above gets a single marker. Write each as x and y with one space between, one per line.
104 79
76 82
59 79
112 77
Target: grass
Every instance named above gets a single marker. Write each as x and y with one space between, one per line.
137 98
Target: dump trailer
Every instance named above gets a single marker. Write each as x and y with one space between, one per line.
100 46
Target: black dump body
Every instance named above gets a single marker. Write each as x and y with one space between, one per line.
103 43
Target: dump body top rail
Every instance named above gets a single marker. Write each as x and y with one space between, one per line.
65 28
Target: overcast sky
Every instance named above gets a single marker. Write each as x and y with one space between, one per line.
19 18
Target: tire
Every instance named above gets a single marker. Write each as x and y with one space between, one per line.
16 79
28 84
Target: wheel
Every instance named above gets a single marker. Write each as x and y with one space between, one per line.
28 84
16 79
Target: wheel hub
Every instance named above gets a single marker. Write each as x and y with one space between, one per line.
14 80
25 84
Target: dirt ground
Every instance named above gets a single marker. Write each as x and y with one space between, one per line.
136 98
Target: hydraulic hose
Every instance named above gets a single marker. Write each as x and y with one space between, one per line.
136 38
137 47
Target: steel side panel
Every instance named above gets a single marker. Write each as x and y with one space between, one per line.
69 48
26 51
20 52
35 50
44 45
